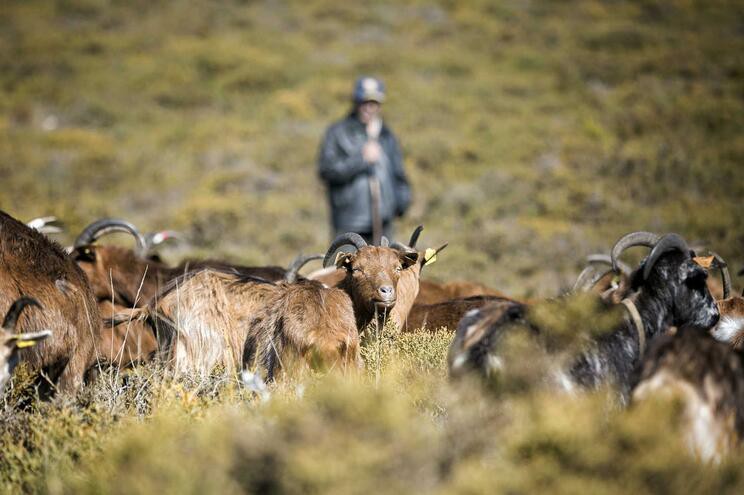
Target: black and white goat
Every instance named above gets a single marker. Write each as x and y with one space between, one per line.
668 289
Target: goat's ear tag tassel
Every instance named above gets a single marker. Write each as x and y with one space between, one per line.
25 343
430 256
704 261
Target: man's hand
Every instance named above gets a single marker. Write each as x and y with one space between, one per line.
371 152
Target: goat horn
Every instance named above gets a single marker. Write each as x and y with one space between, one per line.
725 275
669 242
384 242
297 264
100 228
348 239
586 279
605 259
648 239
414 237
16 309
399 246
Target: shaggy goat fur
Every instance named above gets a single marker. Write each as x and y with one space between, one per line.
709 378
32 265
212 318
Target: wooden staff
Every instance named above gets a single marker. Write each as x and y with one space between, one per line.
373 134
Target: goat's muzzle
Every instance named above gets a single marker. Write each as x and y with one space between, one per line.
385 297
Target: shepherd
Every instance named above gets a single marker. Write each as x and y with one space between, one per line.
361 163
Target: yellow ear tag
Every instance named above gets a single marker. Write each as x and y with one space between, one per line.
704 261
430 256
25 343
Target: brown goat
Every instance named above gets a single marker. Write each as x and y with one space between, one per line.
446 314
434 292
11 343
709 377
32 265
210 318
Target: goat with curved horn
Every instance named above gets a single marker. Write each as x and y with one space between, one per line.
348 239
648 239
105 226
297 264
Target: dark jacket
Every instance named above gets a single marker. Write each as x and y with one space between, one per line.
346 175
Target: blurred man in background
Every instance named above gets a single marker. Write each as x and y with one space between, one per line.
361 163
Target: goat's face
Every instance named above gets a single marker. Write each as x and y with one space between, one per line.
695 304
374 273
692 304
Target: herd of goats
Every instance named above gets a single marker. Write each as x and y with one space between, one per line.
92 305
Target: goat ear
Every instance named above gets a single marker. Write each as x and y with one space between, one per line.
408 258
344 260
704 261
84 253
21 340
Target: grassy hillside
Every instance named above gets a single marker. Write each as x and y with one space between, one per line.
534 133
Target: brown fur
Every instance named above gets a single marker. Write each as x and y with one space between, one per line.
309 323
446 314
117 274
709 376
123 343
330 277
434 292
212 318
32 265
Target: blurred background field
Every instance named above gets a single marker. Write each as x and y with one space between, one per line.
534 133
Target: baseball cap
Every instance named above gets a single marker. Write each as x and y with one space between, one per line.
368 89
